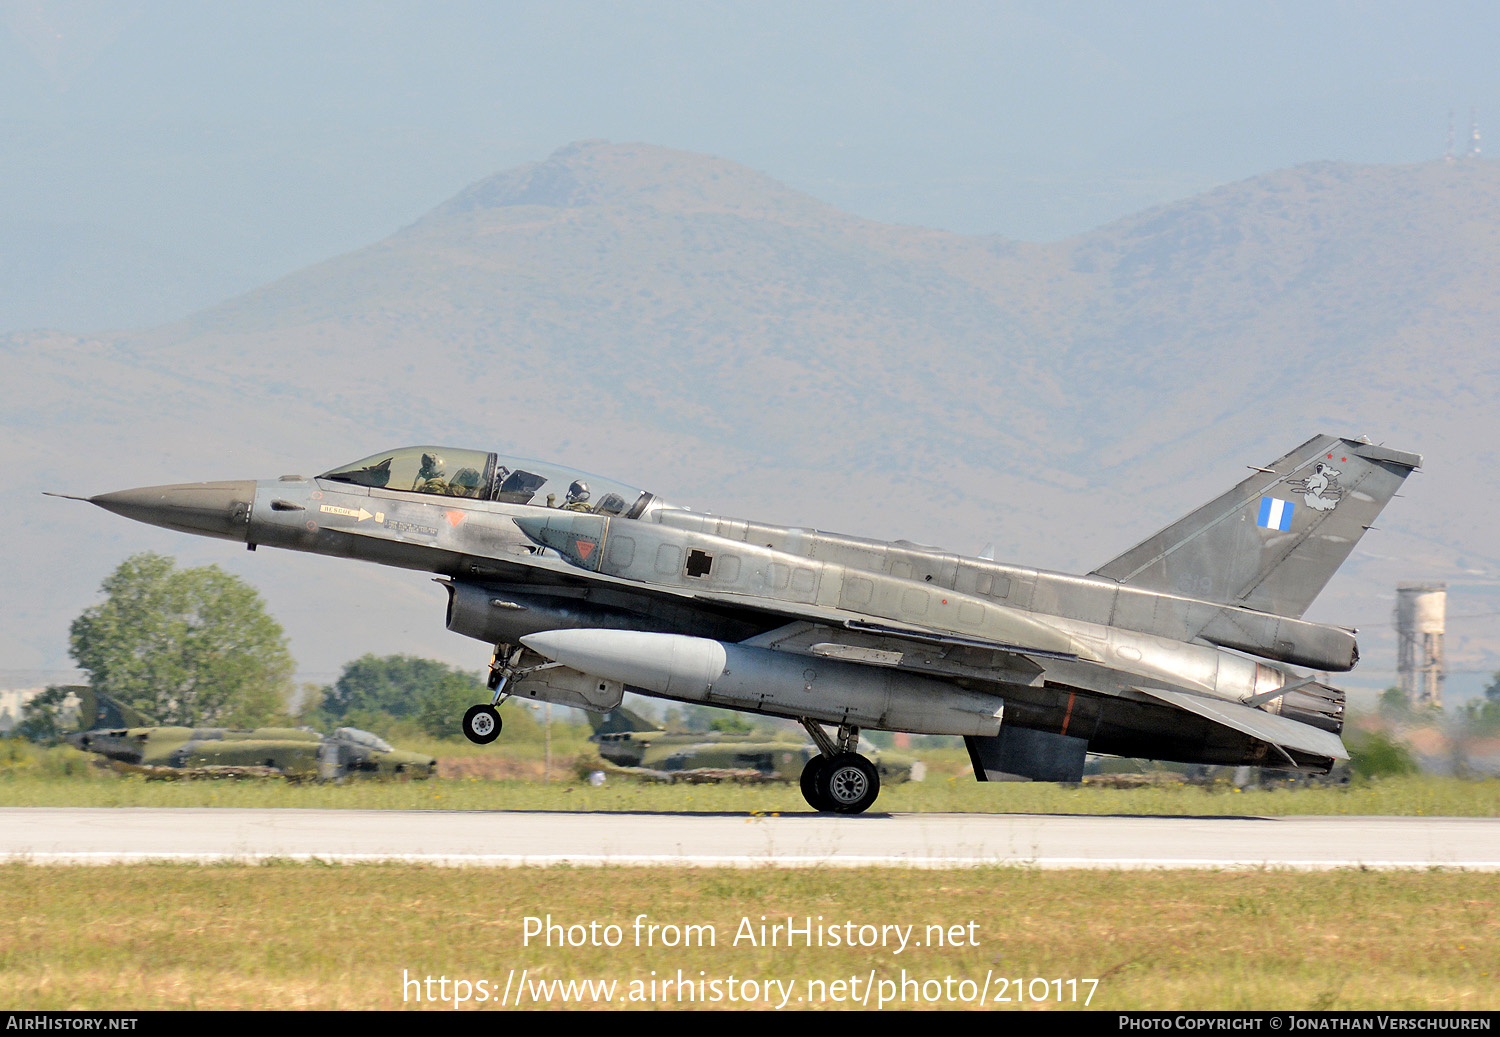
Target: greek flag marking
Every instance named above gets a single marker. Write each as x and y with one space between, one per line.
1275 513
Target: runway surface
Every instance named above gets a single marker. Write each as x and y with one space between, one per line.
45 835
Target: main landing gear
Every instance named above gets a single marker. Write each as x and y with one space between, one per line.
482 722
838 780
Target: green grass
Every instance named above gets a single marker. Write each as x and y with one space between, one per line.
64 777
1414 796
343 937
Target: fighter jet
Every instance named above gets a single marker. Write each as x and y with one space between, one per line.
133 744
1181 649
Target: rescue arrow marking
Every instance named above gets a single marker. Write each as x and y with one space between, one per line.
358 516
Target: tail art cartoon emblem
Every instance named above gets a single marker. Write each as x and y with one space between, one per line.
1320 490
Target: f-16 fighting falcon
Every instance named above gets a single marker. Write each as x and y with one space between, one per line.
1179 649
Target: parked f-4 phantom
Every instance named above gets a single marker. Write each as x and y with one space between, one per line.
630 741
1176 650
133 743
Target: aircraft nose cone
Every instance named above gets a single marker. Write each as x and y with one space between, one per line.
216 509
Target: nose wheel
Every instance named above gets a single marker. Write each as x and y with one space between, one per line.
482 724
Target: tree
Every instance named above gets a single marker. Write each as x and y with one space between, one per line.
1393 704
433 694
1484 714
43 718
1376 755
1492 689
732 725
184 646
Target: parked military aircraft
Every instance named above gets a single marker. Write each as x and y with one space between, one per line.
627 739
128 739
587 586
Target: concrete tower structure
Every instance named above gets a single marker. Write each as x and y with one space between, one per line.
1421 614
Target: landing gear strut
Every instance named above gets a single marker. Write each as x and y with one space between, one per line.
503 666
838 780
482 722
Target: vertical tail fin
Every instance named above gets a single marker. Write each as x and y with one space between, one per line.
620 720
98 710
1273 542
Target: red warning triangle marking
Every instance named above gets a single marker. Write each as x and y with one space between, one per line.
454 516
585 548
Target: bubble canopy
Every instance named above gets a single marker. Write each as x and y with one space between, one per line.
478 475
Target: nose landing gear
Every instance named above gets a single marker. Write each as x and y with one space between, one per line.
482 724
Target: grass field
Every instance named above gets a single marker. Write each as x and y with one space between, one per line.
286 935
345 937
1411 796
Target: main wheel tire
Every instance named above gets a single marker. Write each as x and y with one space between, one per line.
482 724
810 784
848 783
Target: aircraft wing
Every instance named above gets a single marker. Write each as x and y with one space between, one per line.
586 542
1032 637
959 657
1029 651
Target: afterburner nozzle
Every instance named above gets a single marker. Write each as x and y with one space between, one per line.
216 509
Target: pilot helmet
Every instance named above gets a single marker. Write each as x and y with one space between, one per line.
432 467
578 492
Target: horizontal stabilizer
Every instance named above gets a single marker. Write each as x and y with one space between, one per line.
1268 727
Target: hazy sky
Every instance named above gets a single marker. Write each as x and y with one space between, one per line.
158 157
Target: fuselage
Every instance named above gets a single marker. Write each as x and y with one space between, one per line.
525 561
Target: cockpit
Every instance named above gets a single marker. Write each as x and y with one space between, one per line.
364 738
446 472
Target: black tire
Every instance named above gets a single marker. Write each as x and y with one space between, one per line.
848 783
482 724
810 785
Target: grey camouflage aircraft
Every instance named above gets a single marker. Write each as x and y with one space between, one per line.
1179 649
